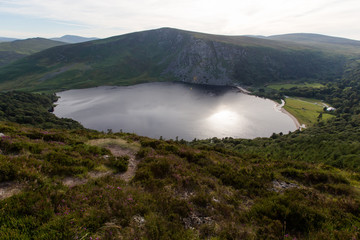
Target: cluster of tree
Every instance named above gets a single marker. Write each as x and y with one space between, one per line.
32 109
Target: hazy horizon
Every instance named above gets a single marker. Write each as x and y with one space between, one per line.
248 35
89 18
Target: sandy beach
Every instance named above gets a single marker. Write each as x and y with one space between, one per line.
280 107
297 123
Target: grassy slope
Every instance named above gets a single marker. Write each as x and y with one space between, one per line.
279 86
11 51
29 46
113 61
307 112
144 56
178 192
334 44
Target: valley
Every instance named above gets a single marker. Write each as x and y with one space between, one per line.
61 180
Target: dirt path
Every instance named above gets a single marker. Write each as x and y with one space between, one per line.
73 181
133 162
8 189
117 151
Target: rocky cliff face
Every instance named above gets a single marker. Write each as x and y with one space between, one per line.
206 61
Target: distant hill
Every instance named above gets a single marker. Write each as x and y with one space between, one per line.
5 39
172 55
11 51
73 39
321 41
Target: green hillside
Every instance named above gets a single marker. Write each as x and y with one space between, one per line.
335 44
14 50
171 55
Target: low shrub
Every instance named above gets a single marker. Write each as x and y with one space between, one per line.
120 163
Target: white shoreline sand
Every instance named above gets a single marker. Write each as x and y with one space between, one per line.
280 107
297 123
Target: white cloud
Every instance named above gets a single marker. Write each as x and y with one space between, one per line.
112 17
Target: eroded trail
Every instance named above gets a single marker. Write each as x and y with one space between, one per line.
74 181
8 189
118 151
118 148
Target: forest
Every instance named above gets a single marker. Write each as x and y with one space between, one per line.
32 109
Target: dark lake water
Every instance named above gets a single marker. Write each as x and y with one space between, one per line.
174 109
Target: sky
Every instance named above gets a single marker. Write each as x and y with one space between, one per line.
105 18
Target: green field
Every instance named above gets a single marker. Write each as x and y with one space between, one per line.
306 111
291 85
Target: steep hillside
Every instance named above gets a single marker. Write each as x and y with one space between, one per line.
170 55
11 51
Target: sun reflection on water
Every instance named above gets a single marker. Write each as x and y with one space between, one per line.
224 116
225 122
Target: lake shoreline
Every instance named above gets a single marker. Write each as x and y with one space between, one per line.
173 109
280 107
296 121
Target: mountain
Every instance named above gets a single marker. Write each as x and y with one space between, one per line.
172 55
321 41
73 39
11 51
5 39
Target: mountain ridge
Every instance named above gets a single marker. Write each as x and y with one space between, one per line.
330 43
73 39
17 49
6 39
314 36
168 54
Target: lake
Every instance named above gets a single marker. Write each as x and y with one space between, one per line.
173 110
